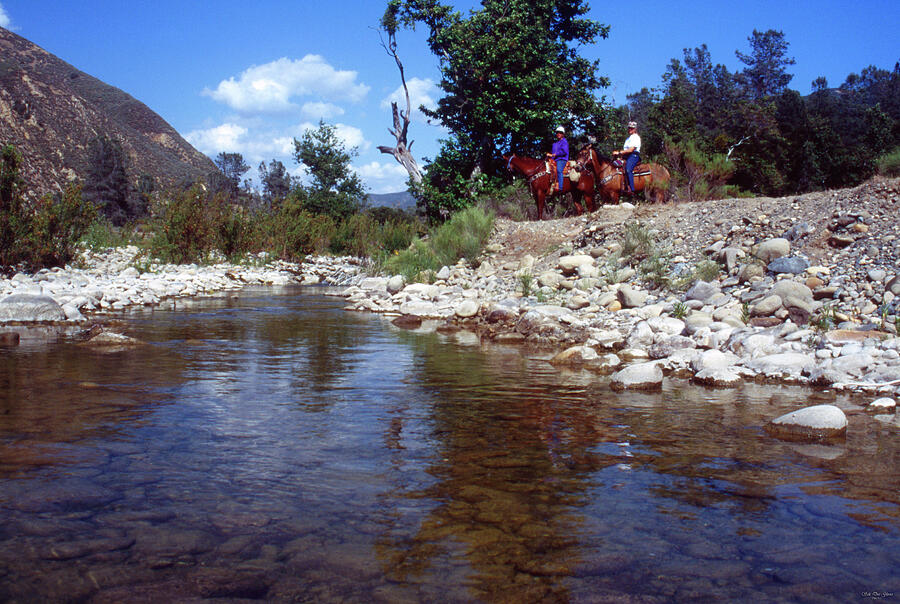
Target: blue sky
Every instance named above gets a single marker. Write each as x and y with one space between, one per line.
249 77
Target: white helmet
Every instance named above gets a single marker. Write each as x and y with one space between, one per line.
561 129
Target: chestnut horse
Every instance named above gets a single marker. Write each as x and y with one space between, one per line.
610 179
578 183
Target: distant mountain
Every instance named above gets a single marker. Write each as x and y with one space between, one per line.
51 112
402 200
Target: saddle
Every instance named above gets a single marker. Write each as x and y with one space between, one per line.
569 172
641 169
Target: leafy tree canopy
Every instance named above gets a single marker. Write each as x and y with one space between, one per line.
335 189
511 71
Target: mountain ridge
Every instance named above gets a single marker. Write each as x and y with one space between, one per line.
51 111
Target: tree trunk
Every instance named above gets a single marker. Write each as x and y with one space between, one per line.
401 150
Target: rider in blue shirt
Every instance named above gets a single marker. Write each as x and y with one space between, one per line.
560 154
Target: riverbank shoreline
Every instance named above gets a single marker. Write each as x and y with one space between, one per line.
566 285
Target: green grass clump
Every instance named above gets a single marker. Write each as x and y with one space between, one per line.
463 236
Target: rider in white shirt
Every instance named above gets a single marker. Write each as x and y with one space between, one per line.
632 150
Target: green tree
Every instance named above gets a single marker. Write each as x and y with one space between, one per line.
14 222
335 189
275 180
106 183
233 167
511 73
766 72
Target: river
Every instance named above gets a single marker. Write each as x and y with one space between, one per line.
270 445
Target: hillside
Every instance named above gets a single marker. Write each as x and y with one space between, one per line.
400 201
51 112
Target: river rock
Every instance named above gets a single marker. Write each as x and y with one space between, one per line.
787 365
395 284
30 308
819 421
549 279
712 360
702 291
788 264
640 376
773 248
630 297
765 307
575 355
786 288
717 378
750 272
882 405
569 264
467 309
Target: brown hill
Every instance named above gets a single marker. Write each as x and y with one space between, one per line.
51 112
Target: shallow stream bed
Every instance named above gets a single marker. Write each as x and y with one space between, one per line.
270 445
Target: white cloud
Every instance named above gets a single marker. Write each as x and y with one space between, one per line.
4 18
421 92
383 177
221 138
269 88
321 110
254 145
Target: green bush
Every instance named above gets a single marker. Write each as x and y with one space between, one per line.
889 164
188 226
101 234
297 232
45 233
57 226
698 175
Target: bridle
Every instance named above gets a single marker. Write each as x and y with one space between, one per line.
529 178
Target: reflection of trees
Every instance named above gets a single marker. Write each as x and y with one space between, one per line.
306 342
513 471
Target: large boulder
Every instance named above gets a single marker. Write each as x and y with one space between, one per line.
819 421
30 308
640 376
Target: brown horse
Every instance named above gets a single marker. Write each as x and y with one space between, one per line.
610 179
539 175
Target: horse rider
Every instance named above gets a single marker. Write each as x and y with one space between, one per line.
632 151
560 154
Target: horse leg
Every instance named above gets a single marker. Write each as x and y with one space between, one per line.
539 198
576 200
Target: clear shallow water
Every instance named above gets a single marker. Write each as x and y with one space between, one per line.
276 447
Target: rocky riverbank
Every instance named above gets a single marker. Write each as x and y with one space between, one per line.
808 291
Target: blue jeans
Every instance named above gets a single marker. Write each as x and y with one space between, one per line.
560 168
632 161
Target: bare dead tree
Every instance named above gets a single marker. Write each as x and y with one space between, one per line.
400 130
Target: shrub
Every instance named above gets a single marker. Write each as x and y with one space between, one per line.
57 226
14 218
889 163
101 234
188 226
297 232
638 242
699 175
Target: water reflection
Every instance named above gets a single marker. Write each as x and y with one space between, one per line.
276 447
